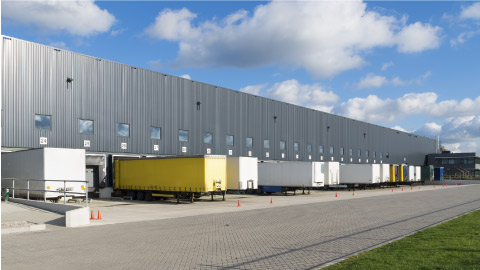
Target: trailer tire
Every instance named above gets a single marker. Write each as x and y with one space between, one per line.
148 196
132 194
140 195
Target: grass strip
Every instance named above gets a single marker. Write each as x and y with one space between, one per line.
454 244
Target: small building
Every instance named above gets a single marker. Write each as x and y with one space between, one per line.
457 165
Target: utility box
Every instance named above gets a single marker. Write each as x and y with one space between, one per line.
242 173
360 174
44 164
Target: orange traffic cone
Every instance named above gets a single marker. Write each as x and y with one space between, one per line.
418 187
392 189
336 195
271 200
411 188
92 216
353 194
99 216
239 203
402 188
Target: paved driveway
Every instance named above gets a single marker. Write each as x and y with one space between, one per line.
304 236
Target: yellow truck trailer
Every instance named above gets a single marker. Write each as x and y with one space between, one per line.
186 177
393 173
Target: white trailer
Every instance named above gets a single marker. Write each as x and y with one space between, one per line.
51 164
362 174
411 173
418 173
384 173
242 173
332 173
290 174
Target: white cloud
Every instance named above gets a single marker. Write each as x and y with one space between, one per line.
186 76
79 17
173 25
376 110
376 81
471 12
291 91
387 65
253 89
457 134
463 37
117 32
430 130
399 128
323 37
313 95
418 37
372 81
155 64
59 44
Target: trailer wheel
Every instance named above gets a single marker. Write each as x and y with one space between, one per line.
132 194
140 195
148 196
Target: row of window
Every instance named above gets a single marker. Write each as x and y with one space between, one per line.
123 130
457 161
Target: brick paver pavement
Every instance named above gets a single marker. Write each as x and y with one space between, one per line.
305 236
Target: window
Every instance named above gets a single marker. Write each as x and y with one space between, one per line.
208 138
366 153
387 155
249 142
331 150
350 152
266 143
309 148
374 154
155 133
359 152
381 155
182 135
229 140
123 130
43 122
320 149
342 151
85 126
296 146
282 145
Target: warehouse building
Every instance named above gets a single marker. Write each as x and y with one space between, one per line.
58 98
456 165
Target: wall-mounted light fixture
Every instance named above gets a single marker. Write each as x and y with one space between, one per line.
274 119
364 135
198 105
69 80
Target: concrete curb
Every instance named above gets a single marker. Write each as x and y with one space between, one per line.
75 216
21 229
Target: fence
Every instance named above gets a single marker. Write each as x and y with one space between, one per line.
44 191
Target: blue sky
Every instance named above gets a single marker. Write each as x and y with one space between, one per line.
409 65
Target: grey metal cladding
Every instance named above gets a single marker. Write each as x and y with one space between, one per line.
34 82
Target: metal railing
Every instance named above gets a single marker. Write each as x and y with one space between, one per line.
64 191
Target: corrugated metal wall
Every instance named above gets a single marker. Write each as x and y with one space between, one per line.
34 82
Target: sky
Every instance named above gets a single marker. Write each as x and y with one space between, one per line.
409 65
